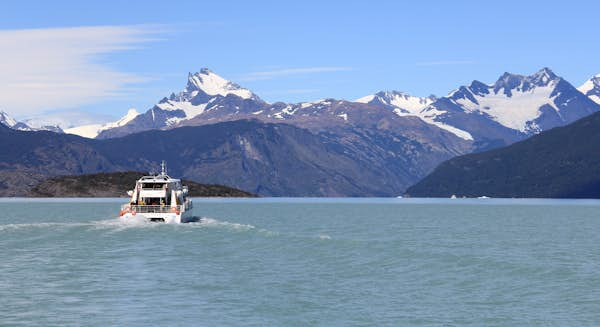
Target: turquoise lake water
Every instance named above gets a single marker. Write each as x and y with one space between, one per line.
303 262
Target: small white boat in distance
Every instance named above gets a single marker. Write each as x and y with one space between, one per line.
158 198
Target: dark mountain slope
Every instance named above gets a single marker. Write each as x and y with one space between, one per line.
560 163
267 159
263 158
26 158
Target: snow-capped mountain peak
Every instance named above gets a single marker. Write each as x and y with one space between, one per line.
212 84
591 88
543 77
6 119
514 101
404 102
508 83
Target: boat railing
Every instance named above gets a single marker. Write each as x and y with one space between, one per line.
152 208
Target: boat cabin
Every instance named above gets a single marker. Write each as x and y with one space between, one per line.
158 190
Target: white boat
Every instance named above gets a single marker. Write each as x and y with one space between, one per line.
158 198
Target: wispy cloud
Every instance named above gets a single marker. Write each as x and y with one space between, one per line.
271 74
445 63
54 68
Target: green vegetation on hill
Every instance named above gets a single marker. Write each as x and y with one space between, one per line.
116 185
560 163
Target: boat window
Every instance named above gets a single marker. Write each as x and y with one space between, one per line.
153 201
153 186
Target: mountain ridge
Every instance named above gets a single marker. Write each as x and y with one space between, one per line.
264 158
559 163
511 109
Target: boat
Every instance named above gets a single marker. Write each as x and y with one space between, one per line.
158 198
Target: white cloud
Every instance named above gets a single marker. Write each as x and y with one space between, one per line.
271 74
445 63
59 68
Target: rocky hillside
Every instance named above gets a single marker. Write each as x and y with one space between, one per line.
116 185
262 158
560 163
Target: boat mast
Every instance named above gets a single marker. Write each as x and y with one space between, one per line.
163 168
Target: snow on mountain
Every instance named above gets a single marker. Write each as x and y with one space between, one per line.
519 104
514 101
591 88
404 104
129 116
203 88
512 108
205 93
7 120
92 130
212 84
492 115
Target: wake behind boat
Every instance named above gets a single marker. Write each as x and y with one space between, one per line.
158 198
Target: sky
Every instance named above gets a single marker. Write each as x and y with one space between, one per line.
103 57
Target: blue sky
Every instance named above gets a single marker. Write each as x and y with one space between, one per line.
105 57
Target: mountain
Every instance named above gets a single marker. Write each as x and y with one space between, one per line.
92 130
563 162
263 158
403 104
205 92
591 88
527 104
116 185
27 157
390 138
7 120
209 98
373 134
285 160
513 108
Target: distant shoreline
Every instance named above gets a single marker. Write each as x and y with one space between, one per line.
116 185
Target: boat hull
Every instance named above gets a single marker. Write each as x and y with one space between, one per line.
167 218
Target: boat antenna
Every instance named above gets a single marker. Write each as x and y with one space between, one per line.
163 168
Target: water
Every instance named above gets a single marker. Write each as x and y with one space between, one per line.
307 262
